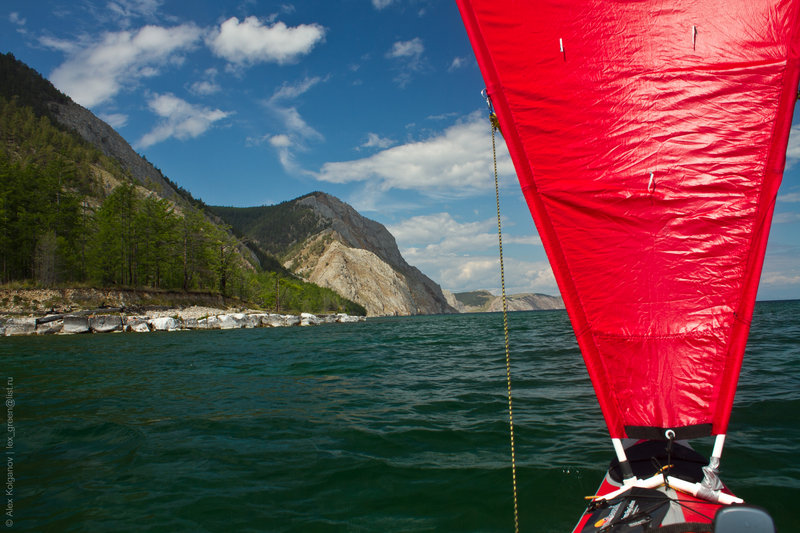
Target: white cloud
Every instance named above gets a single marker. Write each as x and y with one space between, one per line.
181 119
463 256
115 120
789 197
461 272
380 4
250 41
410 55
440 233
16 19
290 91
95 73
793 148
376 141
205 88
456 163
208 85
128 9
445 234
457 63
786 218
410 49
296 131
284 145
295 125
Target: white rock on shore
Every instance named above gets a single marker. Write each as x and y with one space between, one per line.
168 320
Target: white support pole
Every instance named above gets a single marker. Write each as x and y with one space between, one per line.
719 443
624 465
695 489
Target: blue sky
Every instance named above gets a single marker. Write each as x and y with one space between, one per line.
374 101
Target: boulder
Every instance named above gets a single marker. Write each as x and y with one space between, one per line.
50 327
307 319
105 323
251 321
272 321
75 324
229 322
136 324
20 326
259 319
193 323
211 322
164 323
345 318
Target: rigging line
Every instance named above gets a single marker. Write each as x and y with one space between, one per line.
495 128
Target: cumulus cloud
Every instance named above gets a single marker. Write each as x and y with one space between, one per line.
461 272
180 119
456 163
251 41
441 233
95 73
463 256
380 4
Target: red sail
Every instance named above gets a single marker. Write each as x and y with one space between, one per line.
649 139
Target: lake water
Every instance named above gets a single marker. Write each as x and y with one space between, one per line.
396 424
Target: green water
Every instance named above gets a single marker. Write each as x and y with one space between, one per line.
389 425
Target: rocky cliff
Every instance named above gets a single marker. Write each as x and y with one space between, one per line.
111 143
358 258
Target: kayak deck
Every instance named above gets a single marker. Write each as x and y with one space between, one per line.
643 509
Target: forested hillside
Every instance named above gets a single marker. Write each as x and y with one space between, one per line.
70 215
275 228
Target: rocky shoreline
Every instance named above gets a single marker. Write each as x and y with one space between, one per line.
191 318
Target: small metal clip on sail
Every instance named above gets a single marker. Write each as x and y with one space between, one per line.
652 184
561 46
492 114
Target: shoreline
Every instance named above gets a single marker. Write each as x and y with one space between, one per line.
110 320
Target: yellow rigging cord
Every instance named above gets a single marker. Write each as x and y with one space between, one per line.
495 128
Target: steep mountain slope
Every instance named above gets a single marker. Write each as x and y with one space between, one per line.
329 243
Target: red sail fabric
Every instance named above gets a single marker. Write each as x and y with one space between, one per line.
649 139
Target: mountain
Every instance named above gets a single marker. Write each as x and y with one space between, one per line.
485 301
81 207
327 242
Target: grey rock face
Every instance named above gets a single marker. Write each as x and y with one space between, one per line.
111 143
75 324
358 258
20 326
105 323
